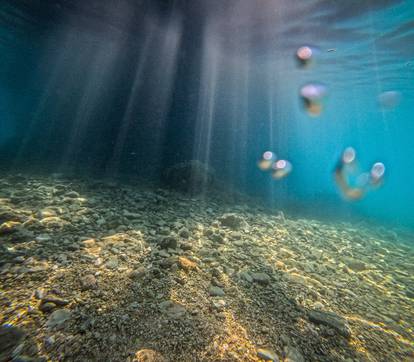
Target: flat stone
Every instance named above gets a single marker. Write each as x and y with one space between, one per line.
88 282
186 263
58 318
112 263
215 291
172 310
267 355
331 320
148 355
293 355
246 276
261 278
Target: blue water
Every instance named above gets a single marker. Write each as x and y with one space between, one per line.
133 90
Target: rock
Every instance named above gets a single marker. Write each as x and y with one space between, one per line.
88 282
261 278
47 307
112 263
409 293
9 227
58 318
184 233
172 310
138 273
148 355
191 177
219 304
89 243
232 221
355 265
10 338
267 355
186 264
331 320
215 291
292 354
72 195
168 242
246 276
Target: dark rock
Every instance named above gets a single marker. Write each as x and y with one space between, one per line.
191 177
331 320
168 242
10 338
232 221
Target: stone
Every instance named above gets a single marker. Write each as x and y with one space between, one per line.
10 338
148 355
267 355
232 221
219 304
246 276
58 318
112 263
186 264
215 291
172 309
355 265
88 282
168 242
331 320
9 227
72 194
89 243
138 273
293 354
47 307
261 278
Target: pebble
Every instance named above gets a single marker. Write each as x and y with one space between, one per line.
331 320
267 355
261 278
58 318
88 282
172 309
112 263
216 291
186 264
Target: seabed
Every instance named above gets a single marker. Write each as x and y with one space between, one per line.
99 271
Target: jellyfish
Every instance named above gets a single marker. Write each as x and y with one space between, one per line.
281 169
313 96
304 56
389 99
266 161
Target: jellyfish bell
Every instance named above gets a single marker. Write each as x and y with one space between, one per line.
389 99
266 161
313 96
349 155
281 169
305 56
377 173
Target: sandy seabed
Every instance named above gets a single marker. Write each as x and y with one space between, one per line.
102 271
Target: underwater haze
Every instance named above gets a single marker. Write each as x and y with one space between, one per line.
207 180
135 87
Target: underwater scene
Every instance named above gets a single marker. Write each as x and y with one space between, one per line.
206 180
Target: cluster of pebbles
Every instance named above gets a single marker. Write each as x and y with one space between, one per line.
94 271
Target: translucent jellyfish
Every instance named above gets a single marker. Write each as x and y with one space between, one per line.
389 99
348 156
281 169
305 56
313 96
265 163
377 173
